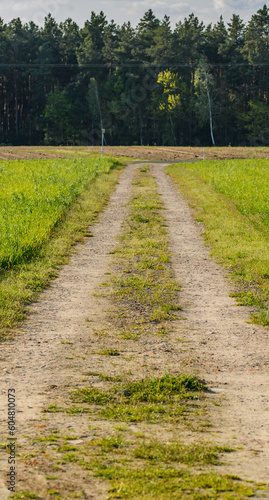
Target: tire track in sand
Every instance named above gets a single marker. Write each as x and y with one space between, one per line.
34 363
229 353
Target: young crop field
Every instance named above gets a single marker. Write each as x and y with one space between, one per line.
33 197
245 182
231 199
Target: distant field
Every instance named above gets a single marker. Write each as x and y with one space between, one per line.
33 197
231 199
158 153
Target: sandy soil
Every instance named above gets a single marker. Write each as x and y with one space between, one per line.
220 346
170 153
36 363
156 153
230 354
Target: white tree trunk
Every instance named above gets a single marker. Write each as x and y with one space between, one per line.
210 110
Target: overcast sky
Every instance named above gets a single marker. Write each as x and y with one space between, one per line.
127 10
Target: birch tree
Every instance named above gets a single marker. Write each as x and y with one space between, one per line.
204 90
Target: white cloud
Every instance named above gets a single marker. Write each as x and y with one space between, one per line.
161 4
122 11
178 7
238 5
23 6
219 4
148 4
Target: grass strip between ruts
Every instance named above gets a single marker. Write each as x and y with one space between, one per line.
144 287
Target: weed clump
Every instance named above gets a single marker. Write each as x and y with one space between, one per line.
144 400
163 389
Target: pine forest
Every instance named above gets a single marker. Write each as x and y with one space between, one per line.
152 84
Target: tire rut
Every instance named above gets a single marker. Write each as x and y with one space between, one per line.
34 363
228 352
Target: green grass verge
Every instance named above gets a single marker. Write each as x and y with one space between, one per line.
229 199
20 284
34 196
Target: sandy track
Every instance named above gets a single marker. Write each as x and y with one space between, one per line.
221 347
230 354
35 362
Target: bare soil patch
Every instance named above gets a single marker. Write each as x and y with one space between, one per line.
67 333
152 153
170 153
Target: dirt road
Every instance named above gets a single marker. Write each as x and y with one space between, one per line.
58 343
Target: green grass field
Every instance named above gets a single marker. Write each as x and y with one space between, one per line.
245 182
231 199
33 197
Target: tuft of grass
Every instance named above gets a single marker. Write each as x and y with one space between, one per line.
178 452
261 317
163 389
67 447
91 395
52 438
91 374
54 493
109 378
23 495
145 400
110 352
111 443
